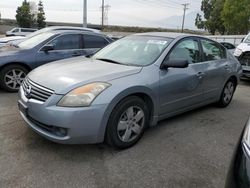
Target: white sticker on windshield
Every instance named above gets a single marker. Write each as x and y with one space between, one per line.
161 42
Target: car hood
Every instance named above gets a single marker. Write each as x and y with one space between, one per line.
65 75
8 50
244 47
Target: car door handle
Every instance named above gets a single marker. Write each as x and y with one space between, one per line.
200 75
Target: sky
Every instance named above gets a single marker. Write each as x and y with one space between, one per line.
147 13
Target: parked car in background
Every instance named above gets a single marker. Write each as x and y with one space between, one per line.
17 60
17 39
7 40
17 31
239 170
242 52
230 47
132 83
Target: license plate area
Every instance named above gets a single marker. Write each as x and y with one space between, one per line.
23 108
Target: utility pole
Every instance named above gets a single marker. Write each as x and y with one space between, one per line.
183 21
102 14
84 13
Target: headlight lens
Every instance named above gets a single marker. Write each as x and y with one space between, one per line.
237 52
83 96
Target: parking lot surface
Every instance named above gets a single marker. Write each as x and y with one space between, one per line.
189 150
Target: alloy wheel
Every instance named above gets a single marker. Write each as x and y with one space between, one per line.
14 78
131 124
228 92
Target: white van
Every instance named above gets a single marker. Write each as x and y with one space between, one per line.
242 52
17 31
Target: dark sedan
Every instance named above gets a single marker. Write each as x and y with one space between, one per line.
17 60
239 171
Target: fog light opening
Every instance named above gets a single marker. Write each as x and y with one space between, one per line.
60 131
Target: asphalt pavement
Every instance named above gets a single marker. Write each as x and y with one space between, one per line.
190 150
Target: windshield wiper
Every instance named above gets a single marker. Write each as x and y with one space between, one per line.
109 60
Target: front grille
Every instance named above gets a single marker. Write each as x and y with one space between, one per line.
35 91
245 59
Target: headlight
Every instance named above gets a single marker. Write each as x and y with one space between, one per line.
83 96
237 52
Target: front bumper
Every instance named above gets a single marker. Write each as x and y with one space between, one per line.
61 124
245 72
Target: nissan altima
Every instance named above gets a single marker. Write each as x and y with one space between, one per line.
126 87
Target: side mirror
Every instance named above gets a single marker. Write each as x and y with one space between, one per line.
175 63
47 47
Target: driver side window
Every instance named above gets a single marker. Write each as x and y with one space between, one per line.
67 42
186 50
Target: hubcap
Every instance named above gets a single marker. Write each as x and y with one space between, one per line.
228 92
14 78
131 124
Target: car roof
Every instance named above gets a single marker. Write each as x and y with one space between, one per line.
76 32
72 28
165 34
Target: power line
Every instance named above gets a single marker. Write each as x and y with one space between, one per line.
183 21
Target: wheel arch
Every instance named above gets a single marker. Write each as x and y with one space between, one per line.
17 63
142 92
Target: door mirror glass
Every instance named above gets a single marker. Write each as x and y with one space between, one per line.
175 63
47 47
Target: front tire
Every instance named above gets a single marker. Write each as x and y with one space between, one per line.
227 93
127 123
11 77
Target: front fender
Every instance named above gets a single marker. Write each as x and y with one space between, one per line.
119 97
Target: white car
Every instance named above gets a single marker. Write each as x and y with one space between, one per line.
242 52
17 31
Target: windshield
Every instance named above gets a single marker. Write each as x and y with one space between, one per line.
134 50
35 40
38 32
247 39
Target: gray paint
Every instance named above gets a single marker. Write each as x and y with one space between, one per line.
172 91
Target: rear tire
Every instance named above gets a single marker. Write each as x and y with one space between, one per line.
127 123
227 93
12 76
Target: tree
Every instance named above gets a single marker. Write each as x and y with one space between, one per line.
41 16
236 16
24 17
212 13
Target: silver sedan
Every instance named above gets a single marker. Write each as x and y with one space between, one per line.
126 87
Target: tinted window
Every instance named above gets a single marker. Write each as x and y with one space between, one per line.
212 50
67 42
228 45
188 50
27 30
92 41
